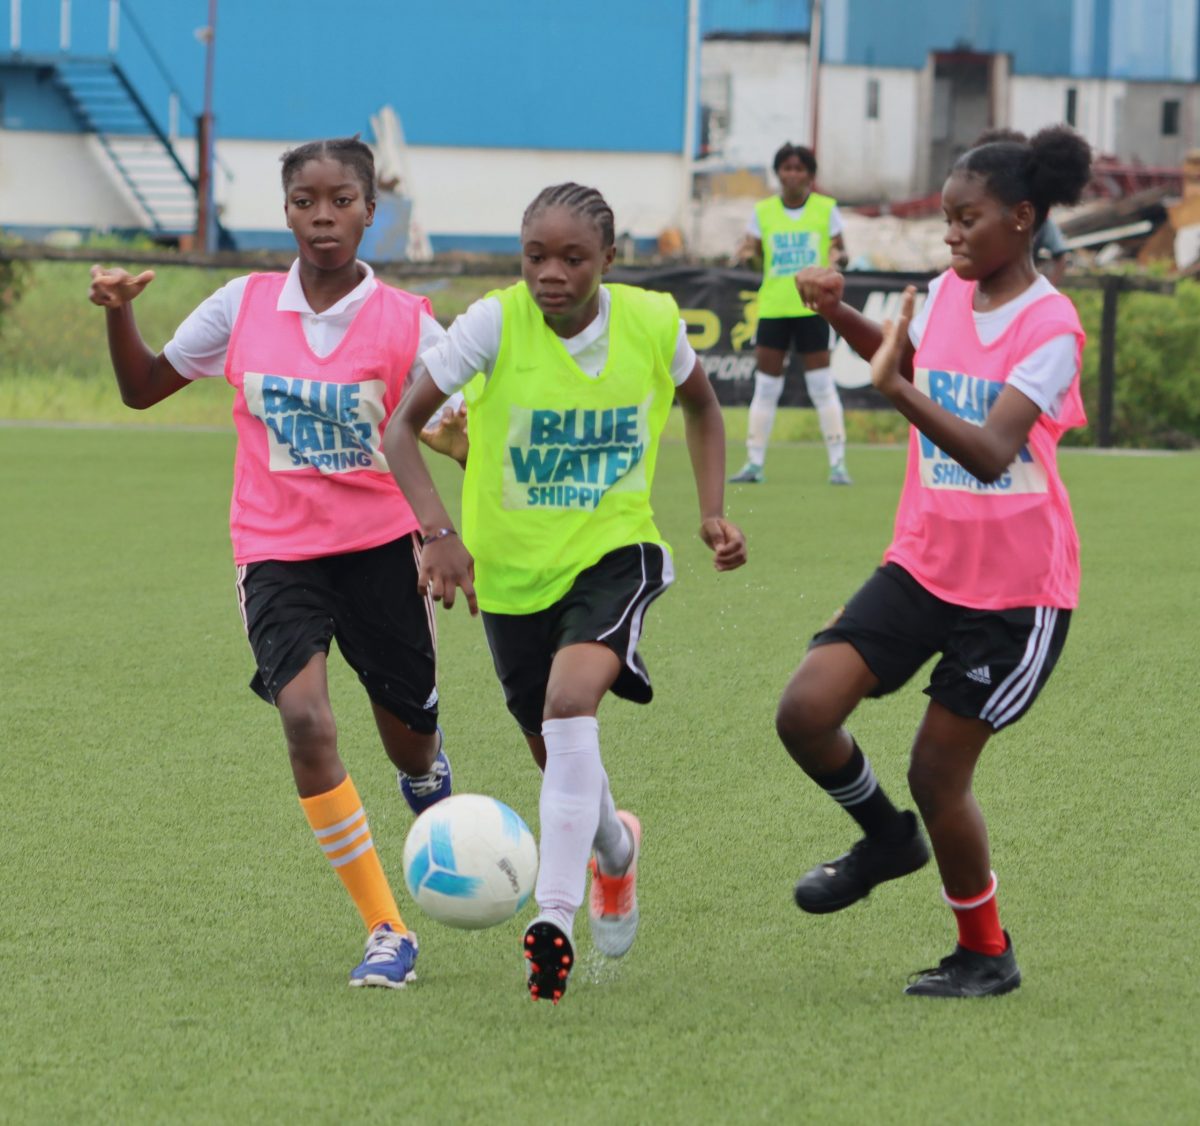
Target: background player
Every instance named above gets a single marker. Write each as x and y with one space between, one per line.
791 231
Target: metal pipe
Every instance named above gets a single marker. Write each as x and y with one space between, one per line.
64 25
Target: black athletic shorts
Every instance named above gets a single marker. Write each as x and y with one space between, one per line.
368 601
606 603
994 662
805 334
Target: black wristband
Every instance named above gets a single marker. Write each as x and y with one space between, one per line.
439 534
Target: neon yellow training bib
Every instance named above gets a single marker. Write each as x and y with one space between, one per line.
561 463
789 245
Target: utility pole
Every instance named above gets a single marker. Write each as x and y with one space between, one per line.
814 71
206 222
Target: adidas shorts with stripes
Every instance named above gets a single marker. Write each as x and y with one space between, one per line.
993 662
606 603
367 601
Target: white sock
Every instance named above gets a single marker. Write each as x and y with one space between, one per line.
823 392
572 787
767 391
613 844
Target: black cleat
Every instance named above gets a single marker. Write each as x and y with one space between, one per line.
966 973
550 958
838 883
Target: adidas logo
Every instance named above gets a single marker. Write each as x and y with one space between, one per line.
981 675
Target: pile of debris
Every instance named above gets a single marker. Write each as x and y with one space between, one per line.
1157 224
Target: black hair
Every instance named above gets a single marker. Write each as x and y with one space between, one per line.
587 203
807 157
1053 166
350 151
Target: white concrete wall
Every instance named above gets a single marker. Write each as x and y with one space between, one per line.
768 86
1035 102
58 179
864 160
50 179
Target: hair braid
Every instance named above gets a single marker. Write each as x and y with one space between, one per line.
585 202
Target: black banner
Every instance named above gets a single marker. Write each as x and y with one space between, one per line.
720 307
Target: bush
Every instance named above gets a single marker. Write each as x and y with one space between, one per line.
1156 401
14 277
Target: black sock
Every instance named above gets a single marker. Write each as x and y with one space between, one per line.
855 788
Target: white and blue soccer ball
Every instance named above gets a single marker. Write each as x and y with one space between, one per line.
470 861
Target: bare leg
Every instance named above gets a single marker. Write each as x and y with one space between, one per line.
310 730
941 767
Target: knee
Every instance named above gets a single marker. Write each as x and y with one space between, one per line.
932 787
310 731
801 720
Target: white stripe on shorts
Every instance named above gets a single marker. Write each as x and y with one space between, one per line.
638 604
1007 701
240 583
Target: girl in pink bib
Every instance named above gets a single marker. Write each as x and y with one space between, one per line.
325 543
983 567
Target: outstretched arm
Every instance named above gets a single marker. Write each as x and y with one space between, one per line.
985 451
705 429
143 377
446 565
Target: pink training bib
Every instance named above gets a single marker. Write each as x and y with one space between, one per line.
1006 544
310 478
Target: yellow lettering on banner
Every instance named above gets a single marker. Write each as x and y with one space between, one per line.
704 327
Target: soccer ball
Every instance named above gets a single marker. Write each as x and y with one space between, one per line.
470 861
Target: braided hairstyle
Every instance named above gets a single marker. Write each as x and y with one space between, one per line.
806 156
350 151
1053 166
585 202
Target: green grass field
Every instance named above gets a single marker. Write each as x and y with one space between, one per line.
174 948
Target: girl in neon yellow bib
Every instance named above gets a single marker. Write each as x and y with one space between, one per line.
559 547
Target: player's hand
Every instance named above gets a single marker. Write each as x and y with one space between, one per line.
446 568
726 541
115 287
821 289
447 433
885 364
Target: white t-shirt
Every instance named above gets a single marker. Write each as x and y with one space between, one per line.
1046 374
836 226
473 343
197 350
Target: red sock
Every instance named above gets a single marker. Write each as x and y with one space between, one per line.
978 919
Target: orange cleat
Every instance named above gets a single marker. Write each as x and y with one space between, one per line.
612 904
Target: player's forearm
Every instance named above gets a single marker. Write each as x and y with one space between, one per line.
861 333
401 447
980 452
704 429
133 362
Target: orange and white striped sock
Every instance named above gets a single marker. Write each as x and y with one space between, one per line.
340 824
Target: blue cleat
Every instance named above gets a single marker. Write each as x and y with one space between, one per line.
423 790
749 474
838 475
389 960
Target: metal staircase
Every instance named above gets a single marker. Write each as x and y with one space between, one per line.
142 157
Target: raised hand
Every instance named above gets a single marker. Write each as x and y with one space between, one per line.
112 287
885 364
446 433
820 288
